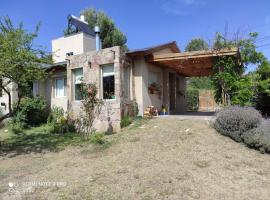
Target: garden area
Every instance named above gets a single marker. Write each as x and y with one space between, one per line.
153 159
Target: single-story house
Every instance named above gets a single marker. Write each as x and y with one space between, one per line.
126 80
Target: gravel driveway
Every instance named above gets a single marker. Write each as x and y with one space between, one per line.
166 158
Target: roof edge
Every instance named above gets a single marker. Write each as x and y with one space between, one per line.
148 50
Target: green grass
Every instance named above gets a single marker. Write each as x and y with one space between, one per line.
37 139
40 139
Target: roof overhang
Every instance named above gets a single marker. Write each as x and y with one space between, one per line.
193 63
149 50
54 66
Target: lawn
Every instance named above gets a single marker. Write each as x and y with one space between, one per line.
163 158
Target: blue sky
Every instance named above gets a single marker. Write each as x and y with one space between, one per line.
149 22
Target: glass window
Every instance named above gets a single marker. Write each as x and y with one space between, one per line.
35 88
153 77
108 82
78 76
60 87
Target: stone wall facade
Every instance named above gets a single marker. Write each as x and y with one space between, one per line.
91 62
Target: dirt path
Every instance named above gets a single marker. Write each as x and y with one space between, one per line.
167 158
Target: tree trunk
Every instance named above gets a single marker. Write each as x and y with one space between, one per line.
10 112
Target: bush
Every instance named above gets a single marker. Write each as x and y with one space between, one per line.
258 138
31 111
235 120
127 120
98 138
192 99
58 122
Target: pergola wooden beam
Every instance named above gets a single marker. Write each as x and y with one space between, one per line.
193 55
194 63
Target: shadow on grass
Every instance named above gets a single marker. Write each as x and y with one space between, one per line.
38 141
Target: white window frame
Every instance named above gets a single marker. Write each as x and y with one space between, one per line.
101 81
74 82
35 88
55 87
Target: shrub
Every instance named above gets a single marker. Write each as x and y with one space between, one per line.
233 121
258 138
58 122
31 111
98 138
192 99
127 120
55 115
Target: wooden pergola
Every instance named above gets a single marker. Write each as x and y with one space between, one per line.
193 63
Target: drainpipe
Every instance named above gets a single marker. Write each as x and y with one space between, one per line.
98 42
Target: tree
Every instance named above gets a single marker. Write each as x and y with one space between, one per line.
262 97
110 35
228 73
196 44
20 60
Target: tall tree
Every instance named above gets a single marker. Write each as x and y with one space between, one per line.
110 35
196 44
20 60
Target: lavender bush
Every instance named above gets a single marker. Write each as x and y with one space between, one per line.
258 138
233 121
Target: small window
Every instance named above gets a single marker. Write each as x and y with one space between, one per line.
153 77
78 76
69 54
108 82
60 87
35 88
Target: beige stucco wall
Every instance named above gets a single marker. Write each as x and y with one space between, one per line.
141 70
47 89
77 43
4 98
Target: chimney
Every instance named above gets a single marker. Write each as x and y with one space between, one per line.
82 18
98 42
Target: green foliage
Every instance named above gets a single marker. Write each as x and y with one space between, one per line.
109 33
196 44
230 85
31 112
39 139
56 114
233 121
204 83
59 123
126 120
262 97
192 99
244 89
91 106
198 82
98 138
20 59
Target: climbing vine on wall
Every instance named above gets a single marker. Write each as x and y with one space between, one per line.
91 107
